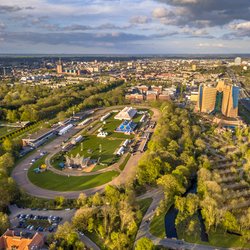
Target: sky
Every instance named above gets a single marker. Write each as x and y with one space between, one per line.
125 26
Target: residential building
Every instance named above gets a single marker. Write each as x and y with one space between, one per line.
11 241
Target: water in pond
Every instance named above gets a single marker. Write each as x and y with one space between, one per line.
172 214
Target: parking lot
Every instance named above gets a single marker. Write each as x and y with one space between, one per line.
32 220
38 223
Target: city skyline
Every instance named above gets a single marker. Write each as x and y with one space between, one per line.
125 27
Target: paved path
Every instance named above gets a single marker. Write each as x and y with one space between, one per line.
20 171
89 243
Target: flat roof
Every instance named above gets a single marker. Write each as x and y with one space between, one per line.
37 135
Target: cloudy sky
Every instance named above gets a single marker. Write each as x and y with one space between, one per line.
124 26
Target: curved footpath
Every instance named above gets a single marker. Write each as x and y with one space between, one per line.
144 229
19 173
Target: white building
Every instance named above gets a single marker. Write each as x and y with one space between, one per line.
102 134
126 114
237 61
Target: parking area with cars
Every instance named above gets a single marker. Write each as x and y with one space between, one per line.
35 220
38 223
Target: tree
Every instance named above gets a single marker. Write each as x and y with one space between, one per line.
119 240
171 186
67 238
8 145
230 222
81 219
61 116
60 201
144 244
96 199
192 203
4 223
6 161
81 201
12 115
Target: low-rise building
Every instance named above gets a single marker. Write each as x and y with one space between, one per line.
11 241
152 95
126 114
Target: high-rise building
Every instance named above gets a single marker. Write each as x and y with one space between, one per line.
220 99
206 98
59 67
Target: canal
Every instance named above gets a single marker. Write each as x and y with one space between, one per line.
173 212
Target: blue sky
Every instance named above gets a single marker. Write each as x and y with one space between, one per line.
124 26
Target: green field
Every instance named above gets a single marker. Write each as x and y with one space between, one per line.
157 225
124 163
92 142
144 204
51 181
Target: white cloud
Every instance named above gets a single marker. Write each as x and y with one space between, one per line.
139 19
241 26
214 45
160 12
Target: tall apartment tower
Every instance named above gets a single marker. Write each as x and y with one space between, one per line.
220 99
59 67
206 98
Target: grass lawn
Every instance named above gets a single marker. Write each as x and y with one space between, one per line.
144 204
222 239
137 118
98 167
109 145
157 225
184 233
56 160
124 163
51 181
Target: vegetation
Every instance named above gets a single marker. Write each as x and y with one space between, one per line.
37 104
144 204
65 238
114 216
124 163
33 103
157 225
51 181
144 244
96 148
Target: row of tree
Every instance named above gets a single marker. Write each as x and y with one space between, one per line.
33 103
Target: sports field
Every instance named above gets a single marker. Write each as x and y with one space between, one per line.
96 147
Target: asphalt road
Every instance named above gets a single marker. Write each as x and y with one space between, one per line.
20 172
